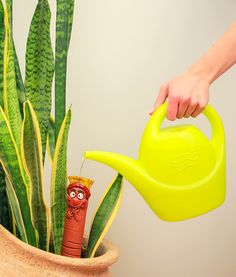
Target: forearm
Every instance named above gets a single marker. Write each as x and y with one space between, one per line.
220 57
188 93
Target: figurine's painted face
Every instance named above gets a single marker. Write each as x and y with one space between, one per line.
76 197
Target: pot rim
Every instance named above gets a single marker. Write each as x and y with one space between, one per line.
109 253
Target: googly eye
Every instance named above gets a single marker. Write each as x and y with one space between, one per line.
72 194
80 196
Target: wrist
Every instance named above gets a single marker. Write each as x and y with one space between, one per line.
204 71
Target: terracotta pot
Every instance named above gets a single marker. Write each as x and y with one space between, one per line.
17 258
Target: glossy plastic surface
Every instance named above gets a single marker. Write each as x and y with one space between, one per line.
179 172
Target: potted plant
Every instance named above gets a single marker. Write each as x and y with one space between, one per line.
30 231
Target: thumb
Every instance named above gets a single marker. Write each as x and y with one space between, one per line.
161 98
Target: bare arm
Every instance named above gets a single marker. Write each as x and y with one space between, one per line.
188 93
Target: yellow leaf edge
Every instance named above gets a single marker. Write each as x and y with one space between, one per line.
48 145
113 215
55 158
37 131
54 166
10 186
5 58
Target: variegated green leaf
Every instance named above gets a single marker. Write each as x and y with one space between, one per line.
40 67
10 160
5 212
65 10
59 184
5 219
19 82
32 155
16 211
2 33
10 95
18 76
51 139
105 214
9 10
2 195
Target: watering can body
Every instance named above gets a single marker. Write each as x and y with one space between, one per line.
179 172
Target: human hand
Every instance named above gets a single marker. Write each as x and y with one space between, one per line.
187 94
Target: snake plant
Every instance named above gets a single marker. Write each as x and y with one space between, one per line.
28 130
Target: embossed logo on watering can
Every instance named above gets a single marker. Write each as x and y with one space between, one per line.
179 172
185 160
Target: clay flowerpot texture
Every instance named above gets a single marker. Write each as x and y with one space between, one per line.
18 258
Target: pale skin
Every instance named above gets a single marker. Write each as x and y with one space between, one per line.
188 93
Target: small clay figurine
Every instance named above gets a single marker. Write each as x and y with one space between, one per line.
78 193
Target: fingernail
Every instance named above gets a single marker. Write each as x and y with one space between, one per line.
151 111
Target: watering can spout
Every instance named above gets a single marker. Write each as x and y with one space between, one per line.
114 160
126 166
134 172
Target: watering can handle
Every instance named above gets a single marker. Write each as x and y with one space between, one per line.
209 112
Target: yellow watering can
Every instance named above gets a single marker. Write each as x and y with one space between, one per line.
179 172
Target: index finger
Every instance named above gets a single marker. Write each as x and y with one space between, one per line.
161 98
